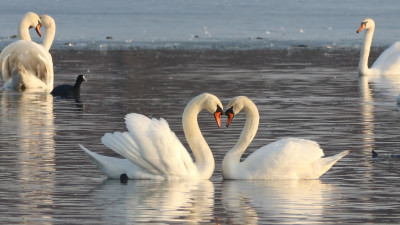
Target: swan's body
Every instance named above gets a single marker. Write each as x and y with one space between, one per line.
388 63
289 158
26 64
152 151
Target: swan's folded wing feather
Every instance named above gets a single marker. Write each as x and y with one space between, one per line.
45 67
159 145
123 144
156 148
287 153
37 61
389 60
5 69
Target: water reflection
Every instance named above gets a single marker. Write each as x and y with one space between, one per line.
27 120
328 105
367 112
388 86
189 202
257 202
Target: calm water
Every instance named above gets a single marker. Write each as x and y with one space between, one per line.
311 93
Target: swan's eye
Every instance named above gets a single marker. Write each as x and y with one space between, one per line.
217 115
230 115
229 111
219 109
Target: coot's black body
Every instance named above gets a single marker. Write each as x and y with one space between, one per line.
69 91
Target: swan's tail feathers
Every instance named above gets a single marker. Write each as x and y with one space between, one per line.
111 167
326 163
16 79
22 79
124 145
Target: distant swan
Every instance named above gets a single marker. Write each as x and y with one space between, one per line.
388 63
26 64
289 158
152 151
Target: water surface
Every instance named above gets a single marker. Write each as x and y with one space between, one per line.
307 93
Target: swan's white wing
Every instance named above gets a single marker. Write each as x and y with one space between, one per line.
389 61
282 159
290 151
35 60
123 144
5 69
151 145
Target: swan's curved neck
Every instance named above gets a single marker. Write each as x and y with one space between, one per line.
363 64
204 159
23 31
49 34
232 158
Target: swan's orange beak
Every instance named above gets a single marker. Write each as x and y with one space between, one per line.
217 116
362 27
230 115
37 28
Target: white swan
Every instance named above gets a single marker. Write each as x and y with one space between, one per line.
289 158
388 63
152 151
26 64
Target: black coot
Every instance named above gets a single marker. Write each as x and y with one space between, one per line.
69 91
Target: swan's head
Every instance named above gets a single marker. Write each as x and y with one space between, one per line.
213 105
32 20
234 107
368 23
47 21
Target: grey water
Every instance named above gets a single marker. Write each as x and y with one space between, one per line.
47 179
117 24
305 85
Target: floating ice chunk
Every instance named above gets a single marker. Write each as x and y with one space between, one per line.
206 32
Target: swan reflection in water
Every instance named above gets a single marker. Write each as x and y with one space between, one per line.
155 201
367 112
27 129
387 87
288 201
